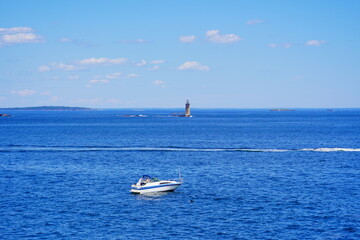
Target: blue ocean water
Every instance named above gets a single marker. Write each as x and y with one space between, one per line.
248 174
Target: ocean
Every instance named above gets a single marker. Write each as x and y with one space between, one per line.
248 174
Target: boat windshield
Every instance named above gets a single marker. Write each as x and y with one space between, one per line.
147 178
154 179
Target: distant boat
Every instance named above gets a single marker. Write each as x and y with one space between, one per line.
134 115
147 184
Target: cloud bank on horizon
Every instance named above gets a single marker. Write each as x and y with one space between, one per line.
230 61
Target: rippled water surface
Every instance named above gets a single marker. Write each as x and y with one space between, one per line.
248 174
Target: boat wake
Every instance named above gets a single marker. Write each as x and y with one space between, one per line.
332 149
32 148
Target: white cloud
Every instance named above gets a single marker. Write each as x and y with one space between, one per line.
214 37
114 75
59 66
120 75
82 64
157 61
154 68
45 93
315 42
283 45
254 21
187 39
66 40
141 63
159 83
136 41
140 40
132 75
16 35
144 62
43 69
193 66
15 30
99 81
103 61
287 45
212 32
74 77
64 66
23 93
21 38
76 42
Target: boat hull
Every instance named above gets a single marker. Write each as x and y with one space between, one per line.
155 188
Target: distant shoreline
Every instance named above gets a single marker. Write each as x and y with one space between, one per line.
48 108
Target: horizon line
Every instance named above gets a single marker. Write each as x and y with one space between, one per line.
113 108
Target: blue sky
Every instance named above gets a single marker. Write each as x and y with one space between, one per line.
157 53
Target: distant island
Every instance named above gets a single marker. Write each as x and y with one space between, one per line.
48 108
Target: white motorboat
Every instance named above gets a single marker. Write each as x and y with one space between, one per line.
147 184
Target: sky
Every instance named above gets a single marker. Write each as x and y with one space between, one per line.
159 53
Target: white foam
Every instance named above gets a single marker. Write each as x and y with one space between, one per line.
173 149
331 149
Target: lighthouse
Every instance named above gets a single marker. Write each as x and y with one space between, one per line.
187 109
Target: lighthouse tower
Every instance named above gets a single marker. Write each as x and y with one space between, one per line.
187 109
